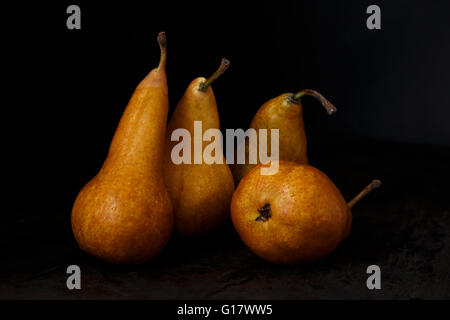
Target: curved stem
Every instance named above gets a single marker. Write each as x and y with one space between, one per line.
308 92
163 46
224 64
373 185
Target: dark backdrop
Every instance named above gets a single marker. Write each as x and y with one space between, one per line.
65 90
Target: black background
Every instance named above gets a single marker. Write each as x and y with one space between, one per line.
64 90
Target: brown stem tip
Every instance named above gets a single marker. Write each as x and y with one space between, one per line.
368 189
162 41
308 92
224 64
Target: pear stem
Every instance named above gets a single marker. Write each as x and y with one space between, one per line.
224 64
162 41
325 103
368 189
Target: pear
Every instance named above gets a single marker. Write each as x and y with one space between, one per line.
200 192
294 216
285 113
124 214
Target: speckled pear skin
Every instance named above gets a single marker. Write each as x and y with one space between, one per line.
200 193
124 214
308 214
279 113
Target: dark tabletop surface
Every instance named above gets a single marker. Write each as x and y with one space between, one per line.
404 227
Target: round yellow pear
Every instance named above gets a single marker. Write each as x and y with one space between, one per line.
294 216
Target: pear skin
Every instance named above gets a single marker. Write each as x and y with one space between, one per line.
200 193
294 216
284 113
124 214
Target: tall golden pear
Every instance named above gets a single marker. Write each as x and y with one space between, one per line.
284 113
124 214
202 186
296 215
